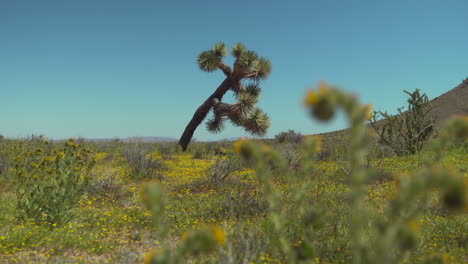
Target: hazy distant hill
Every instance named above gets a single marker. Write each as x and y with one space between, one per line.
153 139
135 139
149 139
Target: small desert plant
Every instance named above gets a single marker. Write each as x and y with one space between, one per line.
199 150
51 182
167 149
223 167
2 165
142 164
407 131
289 136
292 153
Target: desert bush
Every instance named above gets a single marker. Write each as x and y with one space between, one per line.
407 131
105 185
112 146
2 165
142 164
223 167
292 153
336 149
167 149
51 182
324 155
289 136
199 150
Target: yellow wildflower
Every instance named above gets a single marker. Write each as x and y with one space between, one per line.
266 148
311 98
218 235
322 88
318 143
149 255
238 144
413 225
367 111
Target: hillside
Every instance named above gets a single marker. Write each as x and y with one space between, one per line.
451 103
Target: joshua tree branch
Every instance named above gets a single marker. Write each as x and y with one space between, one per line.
237 87
251 75
226 69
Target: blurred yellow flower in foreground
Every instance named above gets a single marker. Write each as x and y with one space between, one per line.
318 143
323 88
368 111
237 144
311 98
218 235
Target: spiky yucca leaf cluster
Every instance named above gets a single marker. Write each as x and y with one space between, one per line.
242 113
210 60
247 65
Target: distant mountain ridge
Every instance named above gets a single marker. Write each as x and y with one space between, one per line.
152 139
134 139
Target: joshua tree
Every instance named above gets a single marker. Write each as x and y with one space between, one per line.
243 80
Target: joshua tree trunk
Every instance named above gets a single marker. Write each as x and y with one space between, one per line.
202 112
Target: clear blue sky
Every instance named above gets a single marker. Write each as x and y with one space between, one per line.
103 69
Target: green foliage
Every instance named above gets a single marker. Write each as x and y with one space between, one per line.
3 165
223 167
199 151
201 241
51 181
220 50
292 153
208 61
257 122
238 49
289 136
407 131
141 163
167 149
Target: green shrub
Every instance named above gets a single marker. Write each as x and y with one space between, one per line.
199 150
167 149
407 131
3 165
142 164
51 181
289 136
223 167
292 153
